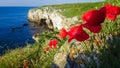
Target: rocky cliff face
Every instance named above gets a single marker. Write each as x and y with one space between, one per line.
50 18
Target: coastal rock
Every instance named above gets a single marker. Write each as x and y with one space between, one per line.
60 58
51 18
25 24
36 37
60 61
16 28
19 27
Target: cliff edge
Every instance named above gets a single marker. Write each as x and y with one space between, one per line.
51 18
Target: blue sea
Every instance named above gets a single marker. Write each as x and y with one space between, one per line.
12 32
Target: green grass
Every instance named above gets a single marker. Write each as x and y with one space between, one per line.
71 10
37 57
78 9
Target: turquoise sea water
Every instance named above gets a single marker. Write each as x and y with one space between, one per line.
10 18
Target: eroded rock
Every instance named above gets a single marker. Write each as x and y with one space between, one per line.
53 18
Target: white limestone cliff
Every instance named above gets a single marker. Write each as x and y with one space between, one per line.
51 17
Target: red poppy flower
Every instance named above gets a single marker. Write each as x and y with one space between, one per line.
94 29
93 17
77 33
53 43
109 8
25 64
112 11
47 49
63 33
72 32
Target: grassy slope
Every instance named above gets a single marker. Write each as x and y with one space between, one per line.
70 10
78 9
34 53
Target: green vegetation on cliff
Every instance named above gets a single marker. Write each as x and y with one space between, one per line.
70 10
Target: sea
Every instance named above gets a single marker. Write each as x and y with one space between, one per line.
15 29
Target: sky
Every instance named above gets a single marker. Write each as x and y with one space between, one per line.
39 2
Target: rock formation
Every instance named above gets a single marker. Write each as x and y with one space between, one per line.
36 37
51 18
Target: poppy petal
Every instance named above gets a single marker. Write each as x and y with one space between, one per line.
93 17
82 37
72 32
63 33
53 42
55 46
77 33
94 29
47 49
112 11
